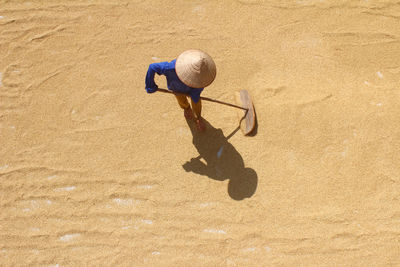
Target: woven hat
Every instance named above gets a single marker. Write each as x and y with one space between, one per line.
195 68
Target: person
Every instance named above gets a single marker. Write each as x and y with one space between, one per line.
187 75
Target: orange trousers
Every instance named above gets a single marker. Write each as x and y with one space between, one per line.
183 103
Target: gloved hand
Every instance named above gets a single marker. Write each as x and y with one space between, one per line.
151 90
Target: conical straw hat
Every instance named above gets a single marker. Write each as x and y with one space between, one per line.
195 68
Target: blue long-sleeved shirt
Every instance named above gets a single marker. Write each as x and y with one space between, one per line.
173 82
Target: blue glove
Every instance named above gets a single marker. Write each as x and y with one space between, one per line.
151 90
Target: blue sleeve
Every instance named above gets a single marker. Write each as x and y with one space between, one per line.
195 94
154 68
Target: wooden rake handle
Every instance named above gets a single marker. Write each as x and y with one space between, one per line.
204 98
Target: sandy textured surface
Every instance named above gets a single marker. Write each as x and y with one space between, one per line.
95 172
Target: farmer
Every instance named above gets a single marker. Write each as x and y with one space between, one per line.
186 76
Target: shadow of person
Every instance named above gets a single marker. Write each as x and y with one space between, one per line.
223 162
